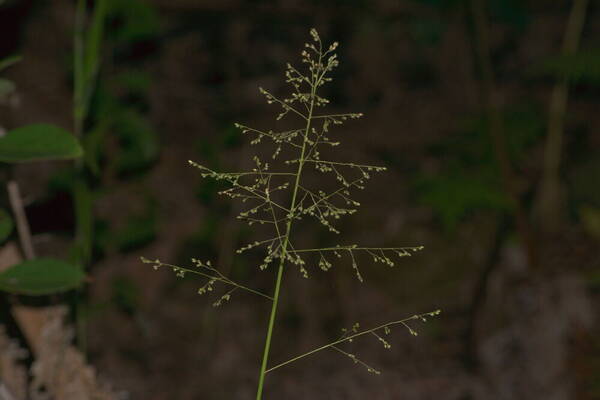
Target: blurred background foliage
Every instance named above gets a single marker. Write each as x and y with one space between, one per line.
175 75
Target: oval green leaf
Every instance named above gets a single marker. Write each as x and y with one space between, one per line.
41 276
38 142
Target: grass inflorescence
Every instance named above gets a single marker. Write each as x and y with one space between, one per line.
277 194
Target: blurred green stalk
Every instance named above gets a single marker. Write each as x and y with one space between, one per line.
86 63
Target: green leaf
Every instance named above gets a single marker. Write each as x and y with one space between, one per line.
41 276
6 225
38 142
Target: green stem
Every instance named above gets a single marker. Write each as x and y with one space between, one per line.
265 359
78 119
86 47
78 70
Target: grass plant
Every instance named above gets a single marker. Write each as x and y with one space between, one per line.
278 193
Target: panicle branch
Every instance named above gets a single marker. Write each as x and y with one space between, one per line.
206 270
383 255
349 335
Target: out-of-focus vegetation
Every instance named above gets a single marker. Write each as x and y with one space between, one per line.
32 143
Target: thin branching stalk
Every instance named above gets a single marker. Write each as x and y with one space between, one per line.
349 338
215 276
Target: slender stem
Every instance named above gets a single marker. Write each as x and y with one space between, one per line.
261 173
346 248
333 115
78 70
78 120
350 338
217 278
16 203
265 359
287 106
234 183
346 164
85 67
356 360
550 197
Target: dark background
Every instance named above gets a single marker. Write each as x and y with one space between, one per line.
441 86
